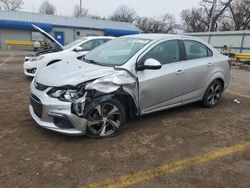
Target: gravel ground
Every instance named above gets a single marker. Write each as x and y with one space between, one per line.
33 157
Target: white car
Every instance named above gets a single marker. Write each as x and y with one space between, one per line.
76 49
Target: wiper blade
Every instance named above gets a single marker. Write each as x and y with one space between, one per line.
91 61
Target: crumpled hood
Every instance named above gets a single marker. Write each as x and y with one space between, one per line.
71 73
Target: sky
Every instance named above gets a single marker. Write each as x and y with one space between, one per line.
147 8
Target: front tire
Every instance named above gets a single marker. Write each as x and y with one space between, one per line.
106 119
213 94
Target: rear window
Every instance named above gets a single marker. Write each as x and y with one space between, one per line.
196 50
74 43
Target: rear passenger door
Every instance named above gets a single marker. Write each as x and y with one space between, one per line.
196 68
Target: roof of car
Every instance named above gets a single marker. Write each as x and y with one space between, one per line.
157 36
98 37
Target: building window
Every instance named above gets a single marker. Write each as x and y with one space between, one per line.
78 33
36 36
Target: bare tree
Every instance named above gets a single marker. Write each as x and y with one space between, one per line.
47 8
169 23
214 9
143 23
124 14
80 12
94 16
11 4
210 16
240 14
193 20
226 25
162 24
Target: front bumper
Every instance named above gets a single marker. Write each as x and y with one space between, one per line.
30 68
54 114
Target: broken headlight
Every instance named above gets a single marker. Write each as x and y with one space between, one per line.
67 94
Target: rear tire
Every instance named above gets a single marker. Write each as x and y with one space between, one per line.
213 94
106 119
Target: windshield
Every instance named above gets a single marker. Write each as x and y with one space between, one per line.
116 52
72 44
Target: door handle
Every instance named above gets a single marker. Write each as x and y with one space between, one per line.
210 64
179 72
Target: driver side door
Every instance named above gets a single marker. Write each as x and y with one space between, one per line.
162 88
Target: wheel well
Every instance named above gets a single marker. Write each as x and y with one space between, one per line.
221 81
129 104
52 62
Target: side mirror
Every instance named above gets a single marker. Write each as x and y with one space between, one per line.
151 64
78 49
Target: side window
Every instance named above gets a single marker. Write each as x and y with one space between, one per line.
87 46
92 44
100 42
196 50
165 52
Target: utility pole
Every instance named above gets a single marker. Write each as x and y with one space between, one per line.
212 15
80 7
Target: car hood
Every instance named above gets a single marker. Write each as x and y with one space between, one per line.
52 39
71 73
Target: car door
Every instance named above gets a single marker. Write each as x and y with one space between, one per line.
196 69
159 89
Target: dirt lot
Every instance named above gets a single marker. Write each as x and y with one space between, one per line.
33 157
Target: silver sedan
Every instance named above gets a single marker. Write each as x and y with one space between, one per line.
127 77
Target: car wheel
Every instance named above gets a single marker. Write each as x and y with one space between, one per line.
105 119
213 94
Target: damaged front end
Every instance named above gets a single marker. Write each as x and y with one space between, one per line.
121 85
